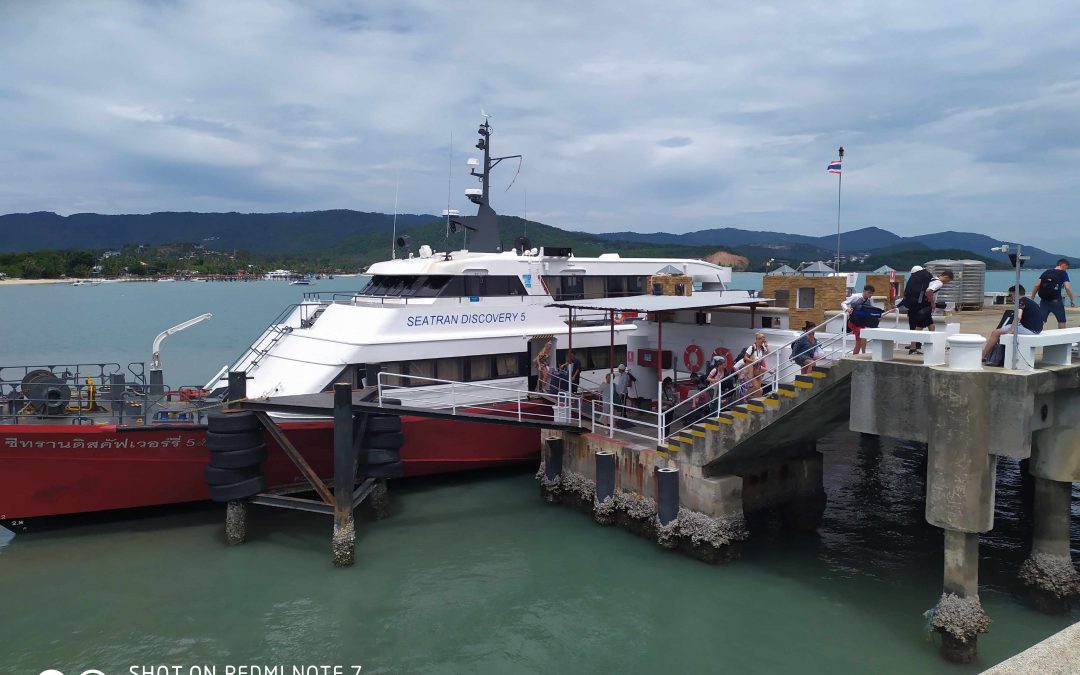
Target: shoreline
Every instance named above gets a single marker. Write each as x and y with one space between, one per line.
16 281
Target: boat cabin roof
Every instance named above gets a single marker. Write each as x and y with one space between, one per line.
663 303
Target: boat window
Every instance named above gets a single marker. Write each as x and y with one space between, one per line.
449 369
565 287
496 286
506 365
594 287
422 368
400 367
474 285
432 285
454 288
598 358
480 367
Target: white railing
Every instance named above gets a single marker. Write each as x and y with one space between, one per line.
474 397
734 389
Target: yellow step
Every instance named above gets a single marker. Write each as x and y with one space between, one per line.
738 413
710 426
786 392
683 439
817 376
803 385
772 402
672 447
754 407
696 432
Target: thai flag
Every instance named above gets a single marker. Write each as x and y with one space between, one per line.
834 166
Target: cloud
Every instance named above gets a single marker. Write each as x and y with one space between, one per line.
677 117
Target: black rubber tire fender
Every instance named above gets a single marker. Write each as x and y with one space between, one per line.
218 442
215 475
241 490
395 470
377 456
381 424
239 459
232 422
385 441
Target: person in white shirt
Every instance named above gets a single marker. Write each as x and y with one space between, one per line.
849 306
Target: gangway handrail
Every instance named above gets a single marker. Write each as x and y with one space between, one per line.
569 404
715 391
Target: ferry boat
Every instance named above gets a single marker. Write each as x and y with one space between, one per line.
441 328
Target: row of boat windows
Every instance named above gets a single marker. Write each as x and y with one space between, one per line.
561 287
581 287
443 286
489 366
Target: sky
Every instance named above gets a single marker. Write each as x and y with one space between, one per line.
644 116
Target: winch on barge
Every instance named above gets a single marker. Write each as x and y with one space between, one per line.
442 327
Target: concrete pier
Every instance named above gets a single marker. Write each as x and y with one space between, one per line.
969 418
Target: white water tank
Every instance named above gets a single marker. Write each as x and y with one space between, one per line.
966 289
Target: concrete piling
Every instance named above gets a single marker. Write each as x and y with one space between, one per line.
1048 574
667 506
343 544
236 513
552 468
604 501
958 617
667 494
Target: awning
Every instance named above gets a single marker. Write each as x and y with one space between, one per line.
664 303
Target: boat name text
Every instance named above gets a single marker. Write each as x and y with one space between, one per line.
462 319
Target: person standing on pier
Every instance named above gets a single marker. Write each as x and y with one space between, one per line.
919 298
852 307
1049 287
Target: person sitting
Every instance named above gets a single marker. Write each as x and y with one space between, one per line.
850 307
804 350
1030 321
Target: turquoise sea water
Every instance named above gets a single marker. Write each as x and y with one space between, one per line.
470 573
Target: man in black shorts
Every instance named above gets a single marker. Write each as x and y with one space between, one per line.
919 298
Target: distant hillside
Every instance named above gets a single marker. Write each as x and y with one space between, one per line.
343 239
798 247
258 232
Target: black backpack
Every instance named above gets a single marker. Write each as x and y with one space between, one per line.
915 289
742 355
1050 285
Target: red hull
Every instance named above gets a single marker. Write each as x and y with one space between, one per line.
51 470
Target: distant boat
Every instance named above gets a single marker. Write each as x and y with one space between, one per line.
78 282
166 279
302 281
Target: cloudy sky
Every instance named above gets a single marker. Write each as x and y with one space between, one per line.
645 116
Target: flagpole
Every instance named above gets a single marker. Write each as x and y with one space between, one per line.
839 186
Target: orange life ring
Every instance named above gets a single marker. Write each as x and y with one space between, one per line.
619 318
694 358
191 393
723 351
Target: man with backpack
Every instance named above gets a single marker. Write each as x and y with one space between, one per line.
919 299
1048 288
